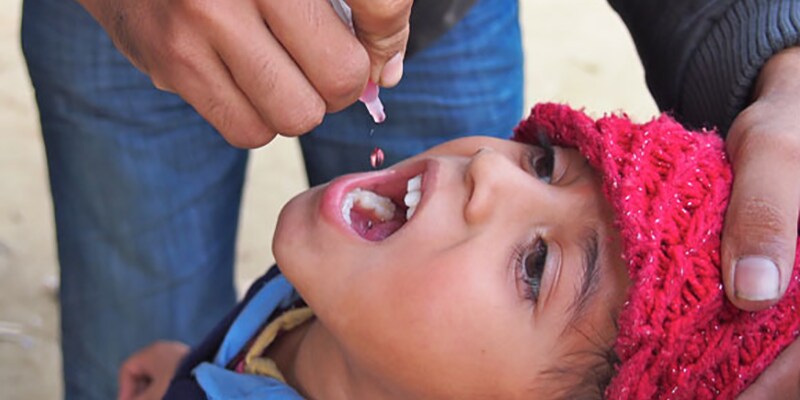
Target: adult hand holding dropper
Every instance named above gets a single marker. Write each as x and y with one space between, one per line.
256 69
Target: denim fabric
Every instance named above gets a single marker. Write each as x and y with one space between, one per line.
146 194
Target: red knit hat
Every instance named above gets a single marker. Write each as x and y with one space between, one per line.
679 337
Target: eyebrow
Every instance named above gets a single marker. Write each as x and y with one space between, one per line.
590 276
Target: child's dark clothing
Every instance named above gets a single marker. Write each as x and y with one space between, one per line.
208 371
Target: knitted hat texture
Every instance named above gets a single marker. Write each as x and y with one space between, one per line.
679 337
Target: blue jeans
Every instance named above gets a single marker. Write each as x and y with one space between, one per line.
146 194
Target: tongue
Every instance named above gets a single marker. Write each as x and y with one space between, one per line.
366 224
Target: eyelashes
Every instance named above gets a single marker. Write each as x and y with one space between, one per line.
542 160
530 261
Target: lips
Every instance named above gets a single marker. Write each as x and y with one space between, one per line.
375 205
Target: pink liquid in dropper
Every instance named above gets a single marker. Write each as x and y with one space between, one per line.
370 96
373 102
375 107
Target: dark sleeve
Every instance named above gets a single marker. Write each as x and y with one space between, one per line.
701 57
183 385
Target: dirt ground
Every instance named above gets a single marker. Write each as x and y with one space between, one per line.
577 51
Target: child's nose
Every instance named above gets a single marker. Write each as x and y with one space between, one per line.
491 180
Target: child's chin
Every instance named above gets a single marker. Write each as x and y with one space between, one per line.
294 226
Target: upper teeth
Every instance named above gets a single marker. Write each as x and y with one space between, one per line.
383 207
413 195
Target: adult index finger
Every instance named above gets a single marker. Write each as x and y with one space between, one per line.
383 27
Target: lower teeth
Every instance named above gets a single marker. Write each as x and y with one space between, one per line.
382 207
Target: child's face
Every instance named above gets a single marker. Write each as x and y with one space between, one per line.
483 289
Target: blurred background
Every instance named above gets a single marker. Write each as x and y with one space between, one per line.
577 51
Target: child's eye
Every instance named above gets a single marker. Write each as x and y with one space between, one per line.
531 263
542 161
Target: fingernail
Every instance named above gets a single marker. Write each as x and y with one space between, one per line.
756 278
392 71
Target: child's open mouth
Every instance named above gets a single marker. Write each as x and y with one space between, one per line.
378 212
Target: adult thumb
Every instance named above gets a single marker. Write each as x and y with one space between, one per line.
382 26
760 235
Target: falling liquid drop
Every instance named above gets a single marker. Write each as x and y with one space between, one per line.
376 158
